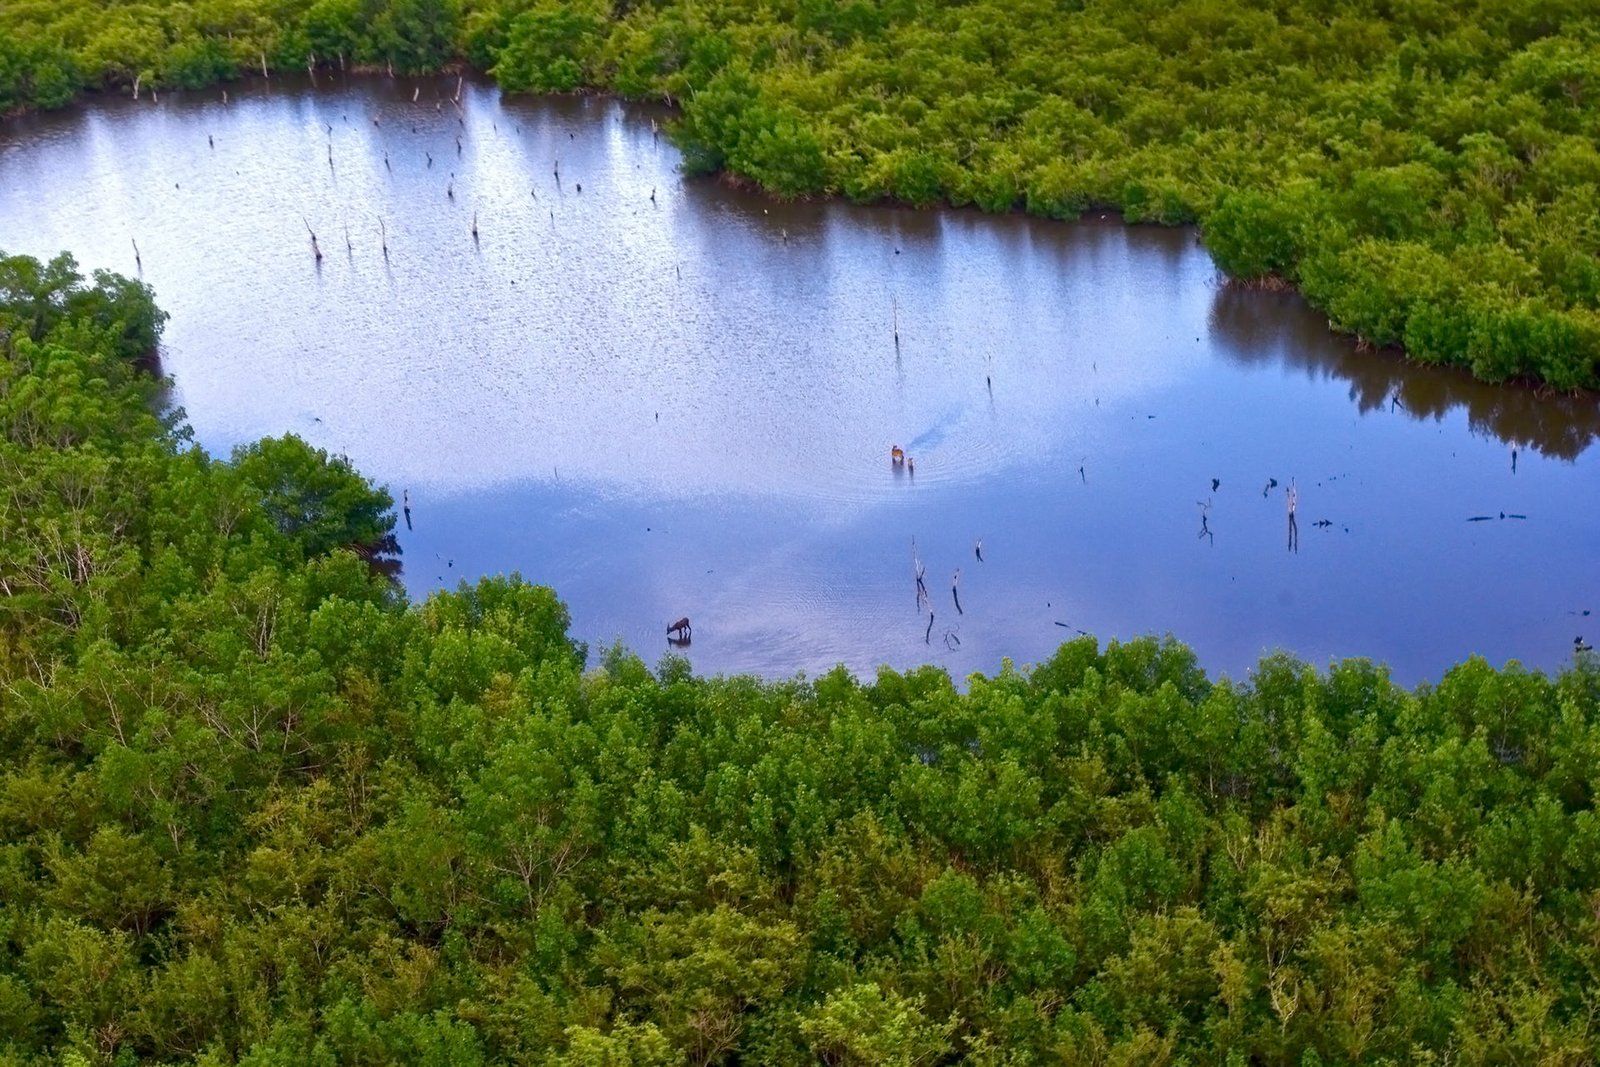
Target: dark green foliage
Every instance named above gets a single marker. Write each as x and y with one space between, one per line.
413 35
36 298
255 808
549 48
315 499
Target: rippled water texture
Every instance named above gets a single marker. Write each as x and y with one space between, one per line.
685 405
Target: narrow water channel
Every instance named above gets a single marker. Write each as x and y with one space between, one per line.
668 397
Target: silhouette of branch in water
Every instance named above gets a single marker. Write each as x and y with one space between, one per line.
927 635
1205 525
955 580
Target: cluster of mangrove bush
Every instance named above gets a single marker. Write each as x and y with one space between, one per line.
256 808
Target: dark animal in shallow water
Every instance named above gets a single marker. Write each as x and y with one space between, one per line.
681 628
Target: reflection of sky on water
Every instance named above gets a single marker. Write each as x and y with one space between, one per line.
686 405
683 346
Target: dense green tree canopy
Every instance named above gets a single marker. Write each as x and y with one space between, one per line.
256 808
1426 172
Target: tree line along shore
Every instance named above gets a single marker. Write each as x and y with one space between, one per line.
1426 173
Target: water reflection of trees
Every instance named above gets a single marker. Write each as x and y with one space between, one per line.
1267 327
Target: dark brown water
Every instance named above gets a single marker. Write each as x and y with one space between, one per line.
685 406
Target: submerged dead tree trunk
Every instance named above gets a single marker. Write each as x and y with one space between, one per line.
315 250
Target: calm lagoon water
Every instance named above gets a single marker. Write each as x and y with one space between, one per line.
666 397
